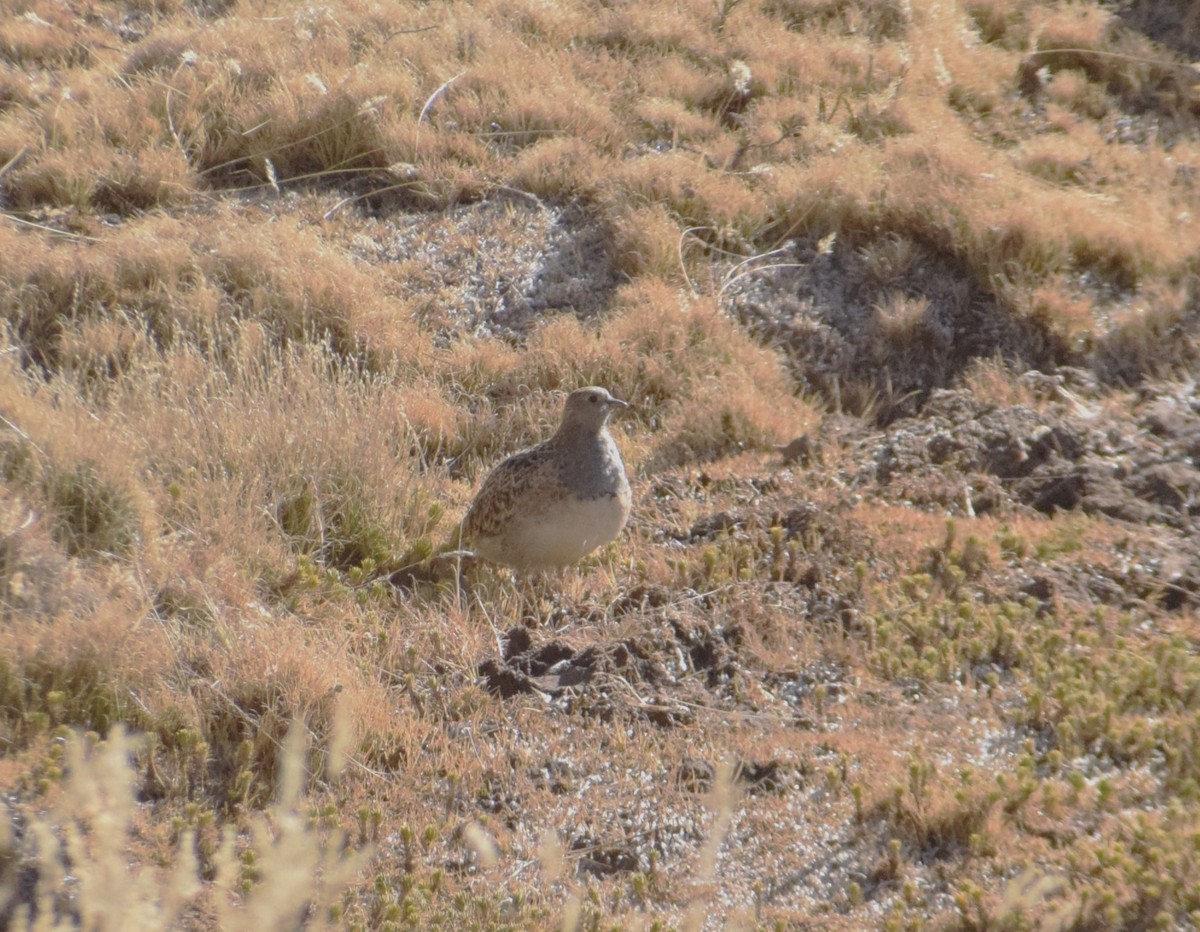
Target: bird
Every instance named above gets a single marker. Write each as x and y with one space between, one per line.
552 504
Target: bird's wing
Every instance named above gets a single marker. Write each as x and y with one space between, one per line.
507 485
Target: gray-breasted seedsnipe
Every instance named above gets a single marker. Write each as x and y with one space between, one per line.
553 504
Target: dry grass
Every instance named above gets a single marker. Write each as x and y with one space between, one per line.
281 282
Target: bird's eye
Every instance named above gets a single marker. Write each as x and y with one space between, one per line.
593 398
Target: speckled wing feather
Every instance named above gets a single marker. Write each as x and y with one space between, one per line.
511 485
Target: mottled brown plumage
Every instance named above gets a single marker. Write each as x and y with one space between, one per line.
554 503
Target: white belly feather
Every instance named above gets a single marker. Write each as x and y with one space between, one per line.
569 531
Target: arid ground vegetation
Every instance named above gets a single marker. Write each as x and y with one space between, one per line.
903 631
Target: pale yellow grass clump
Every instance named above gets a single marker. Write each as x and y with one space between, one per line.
297 872
100 307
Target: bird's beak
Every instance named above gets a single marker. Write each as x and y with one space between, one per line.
618 403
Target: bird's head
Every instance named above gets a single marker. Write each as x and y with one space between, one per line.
590 407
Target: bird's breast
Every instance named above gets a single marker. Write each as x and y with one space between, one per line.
571 530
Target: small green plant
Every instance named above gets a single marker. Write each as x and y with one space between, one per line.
91 517
337 525
1013 546
951 567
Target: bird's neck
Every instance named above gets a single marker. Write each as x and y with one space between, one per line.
574 436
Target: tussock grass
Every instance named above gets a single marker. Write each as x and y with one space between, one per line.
283 872
101 308
280 284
